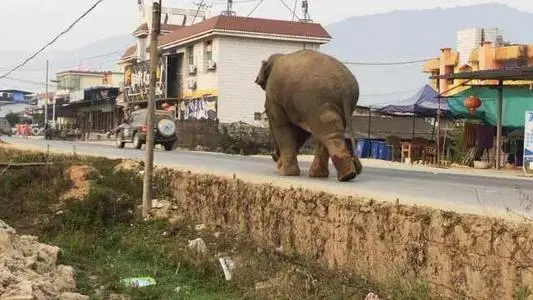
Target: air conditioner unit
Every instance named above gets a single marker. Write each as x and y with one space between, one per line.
211 65
192 69
191 84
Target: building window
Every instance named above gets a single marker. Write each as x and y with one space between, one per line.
208 53
190 55
69 82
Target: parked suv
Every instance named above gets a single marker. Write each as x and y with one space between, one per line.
133 129
5 127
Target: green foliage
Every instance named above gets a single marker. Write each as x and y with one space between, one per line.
457 144
403 290
13 119
522 293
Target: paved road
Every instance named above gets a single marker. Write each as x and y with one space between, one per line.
461 193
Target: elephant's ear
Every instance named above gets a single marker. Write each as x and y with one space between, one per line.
263 75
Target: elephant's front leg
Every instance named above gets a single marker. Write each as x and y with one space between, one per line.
285 143
300 136
320 167
287 163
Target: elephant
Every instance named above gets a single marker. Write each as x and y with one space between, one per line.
309 93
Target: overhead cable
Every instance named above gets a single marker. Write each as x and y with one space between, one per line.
256 6
385 63
53 40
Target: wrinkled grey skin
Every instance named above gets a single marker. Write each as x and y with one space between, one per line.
310 93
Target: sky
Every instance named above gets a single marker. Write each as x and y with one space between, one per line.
38 21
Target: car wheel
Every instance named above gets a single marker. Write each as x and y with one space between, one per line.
169 146
119 142
137 143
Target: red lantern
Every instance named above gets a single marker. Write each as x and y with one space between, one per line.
472 103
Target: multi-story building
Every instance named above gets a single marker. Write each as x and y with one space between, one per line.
477 49
208 68
87 99
480 50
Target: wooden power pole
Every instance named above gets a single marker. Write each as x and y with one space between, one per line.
149 157
46 97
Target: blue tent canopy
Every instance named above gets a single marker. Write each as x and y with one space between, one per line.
423 103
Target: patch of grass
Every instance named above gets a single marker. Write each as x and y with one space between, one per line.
522 293
402 290
103 239
139 250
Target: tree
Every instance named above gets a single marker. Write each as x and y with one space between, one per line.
13 119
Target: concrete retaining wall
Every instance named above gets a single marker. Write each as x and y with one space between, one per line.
459 256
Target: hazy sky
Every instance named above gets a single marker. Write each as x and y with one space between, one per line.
29 24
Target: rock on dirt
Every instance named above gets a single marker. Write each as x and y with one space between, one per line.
128 166
79 176
28 269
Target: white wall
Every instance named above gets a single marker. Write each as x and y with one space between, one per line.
238 63
206 81
88 81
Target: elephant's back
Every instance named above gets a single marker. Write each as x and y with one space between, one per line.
320 69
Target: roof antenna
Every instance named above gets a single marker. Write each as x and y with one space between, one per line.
305 9
229 7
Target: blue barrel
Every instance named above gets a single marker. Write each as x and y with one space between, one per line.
383 151
363 146
374 153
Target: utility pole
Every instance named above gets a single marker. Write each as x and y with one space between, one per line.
46 97
149 157
54 112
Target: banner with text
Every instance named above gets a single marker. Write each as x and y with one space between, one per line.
137 81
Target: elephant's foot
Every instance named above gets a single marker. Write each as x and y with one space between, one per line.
346 170
289 170
318 171
357 164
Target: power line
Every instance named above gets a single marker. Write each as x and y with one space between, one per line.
256 6
53 40
389 93
25 81
289 8
78 60
197 11
385 63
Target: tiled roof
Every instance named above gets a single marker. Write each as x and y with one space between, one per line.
129 52
236 24
247 25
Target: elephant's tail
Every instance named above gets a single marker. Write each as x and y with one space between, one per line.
349 106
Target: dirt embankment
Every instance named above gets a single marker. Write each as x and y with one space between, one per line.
458 256
28 269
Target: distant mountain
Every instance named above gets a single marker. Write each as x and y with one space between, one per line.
389 37
99 55
412 35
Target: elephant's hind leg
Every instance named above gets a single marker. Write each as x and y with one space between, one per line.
319 167
330 132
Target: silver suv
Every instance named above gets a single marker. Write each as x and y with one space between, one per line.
133 129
